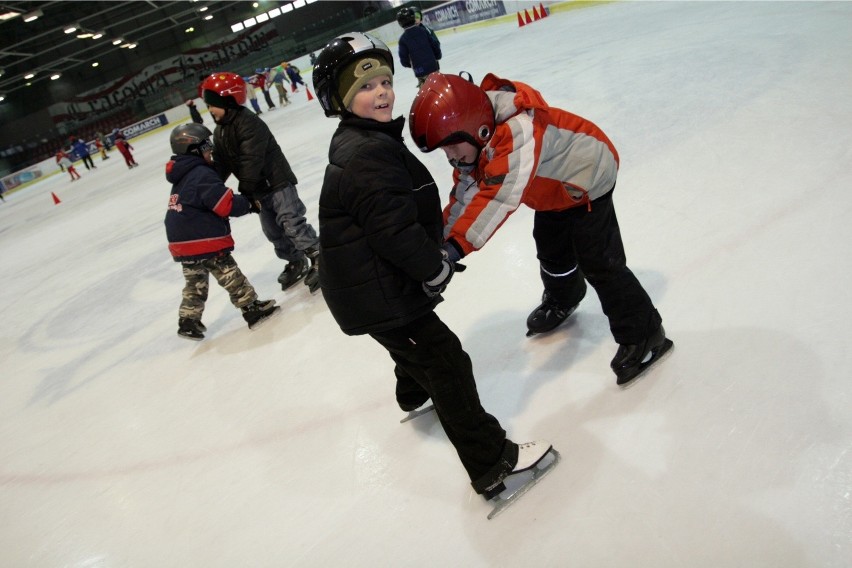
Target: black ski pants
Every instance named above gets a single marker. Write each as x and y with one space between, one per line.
579 242
430 363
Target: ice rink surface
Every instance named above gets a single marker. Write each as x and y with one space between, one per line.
123 445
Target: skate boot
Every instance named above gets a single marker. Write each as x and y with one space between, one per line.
549 314
630 361
293 272
535 460
312 278
259 311
191 329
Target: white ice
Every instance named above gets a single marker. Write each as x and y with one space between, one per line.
123 445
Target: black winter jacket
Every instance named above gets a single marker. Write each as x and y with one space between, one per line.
197 220
380 228
245 147
419 50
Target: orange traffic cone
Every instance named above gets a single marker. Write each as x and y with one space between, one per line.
310 96
55 199
536 17
527 17
520 20
542 11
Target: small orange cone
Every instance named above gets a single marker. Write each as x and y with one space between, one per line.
55 199
542 10
310 96
536 17
520 20
527 17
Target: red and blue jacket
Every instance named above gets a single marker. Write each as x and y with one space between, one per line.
197 223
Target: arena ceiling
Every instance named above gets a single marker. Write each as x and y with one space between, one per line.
42 47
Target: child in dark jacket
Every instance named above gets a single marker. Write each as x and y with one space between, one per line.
200 235
246 148
419 47
383 270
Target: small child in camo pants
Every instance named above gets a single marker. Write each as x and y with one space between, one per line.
199 232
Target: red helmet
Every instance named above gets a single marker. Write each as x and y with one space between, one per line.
219 87
449 109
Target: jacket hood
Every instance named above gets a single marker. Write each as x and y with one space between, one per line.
510 97
178 166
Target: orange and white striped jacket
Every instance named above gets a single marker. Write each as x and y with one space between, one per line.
543 157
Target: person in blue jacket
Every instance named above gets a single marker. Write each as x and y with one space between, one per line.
82 150
199 232
419 49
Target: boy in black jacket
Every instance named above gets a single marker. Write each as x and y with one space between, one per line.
383 270
246 148
200 235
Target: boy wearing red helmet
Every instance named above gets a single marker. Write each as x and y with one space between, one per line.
509 147
246 148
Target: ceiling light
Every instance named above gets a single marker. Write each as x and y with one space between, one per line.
2 98
55 76
249 23
274 12
237 28
98 35
262 18
131 46
210 17
85 35
117 41
95 64
29 75
70 30
8 15
34 15
203 9
189 30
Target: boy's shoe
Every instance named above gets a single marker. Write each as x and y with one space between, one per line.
191 329
293 272
312 277
550 314
630 361
258 311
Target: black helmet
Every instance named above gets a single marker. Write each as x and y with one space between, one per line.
405 17
188 138
333 59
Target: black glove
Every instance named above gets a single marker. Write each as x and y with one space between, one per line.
437 283
254 206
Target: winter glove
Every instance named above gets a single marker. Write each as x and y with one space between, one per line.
254 206
437 283
453 255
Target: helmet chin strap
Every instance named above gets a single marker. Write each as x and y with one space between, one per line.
463 167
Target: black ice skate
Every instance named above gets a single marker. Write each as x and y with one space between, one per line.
293 272
535 460
631 361
191 329
259 311
312 278
413 413
548 315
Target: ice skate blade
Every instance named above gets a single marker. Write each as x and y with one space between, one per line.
663 354
417 412
531 333
519 483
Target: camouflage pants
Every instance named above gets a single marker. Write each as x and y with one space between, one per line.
226 272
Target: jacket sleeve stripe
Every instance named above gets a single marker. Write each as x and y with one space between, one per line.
522 157
223 207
